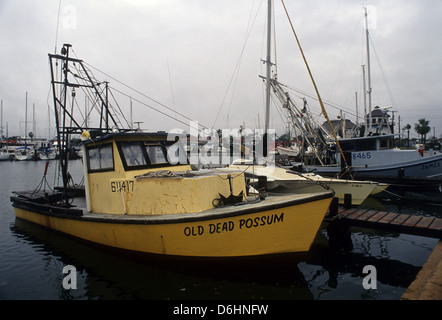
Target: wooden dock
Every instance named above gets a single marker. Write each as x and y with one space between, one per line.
388 221
428 282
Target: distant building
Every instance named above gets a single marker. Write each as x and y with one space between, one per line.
343 128
381 124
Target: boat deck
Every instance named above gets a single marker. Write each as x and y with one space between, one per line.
78 207
250 206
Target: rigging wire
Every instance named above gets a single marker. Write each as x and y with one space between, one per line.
314 84
390 93
151 107
140 93
325 102
344 61
235 73
145 96
171 87
56 31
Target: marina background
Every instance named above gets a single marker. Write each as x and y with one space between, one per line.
32 259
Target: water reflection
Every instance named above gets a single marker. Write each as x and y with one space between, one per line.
322 273
391 272
110 275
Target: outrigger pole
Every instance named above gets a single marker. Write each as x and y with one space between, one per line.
62 114
61 133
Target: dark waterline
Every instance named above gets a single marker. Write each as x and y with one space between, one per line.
32 259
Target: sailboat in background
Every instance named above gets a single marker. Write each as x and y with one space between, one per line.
4 150
47 154
26 152
4 155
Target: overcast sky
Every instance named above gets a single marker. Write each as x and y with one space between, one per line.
202 58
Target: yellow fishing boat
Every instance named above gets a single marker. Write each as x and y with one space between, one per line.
137 199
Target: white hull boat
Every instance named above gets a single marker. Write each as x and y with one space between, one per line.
283 180
381 162
23 154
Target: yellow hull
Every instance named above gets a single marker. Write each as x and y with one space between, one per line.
281 226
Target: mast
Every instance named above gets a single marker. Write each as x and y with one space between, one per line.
33 119
26 117
83 81
131 115
1 125
268 65
367 36
365 100
62 137
85 112
356 102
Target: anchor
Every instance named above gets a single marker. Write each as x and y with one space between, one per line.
231 199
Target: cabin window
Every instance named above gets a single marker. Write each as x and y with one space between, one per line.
386 144
347 145
137 155
101 158
156 154
365 145
133 154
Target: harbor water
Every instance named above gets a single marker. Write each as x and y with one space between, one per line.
32 260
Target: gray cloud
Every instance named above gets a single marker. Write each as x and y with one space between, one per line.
187 53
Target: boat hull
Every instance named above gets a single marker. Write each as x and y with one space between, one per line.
430 168
359 190
291 152
286 181
47 156
425 171
24 155
5 156
281 226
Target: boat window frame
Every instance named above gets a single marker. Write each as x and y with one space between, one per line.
386 143
126 165
99 147
148 145
365 145
143 145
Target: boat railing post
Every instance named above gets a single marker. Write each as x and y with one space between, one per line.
86 179
333 209
347 200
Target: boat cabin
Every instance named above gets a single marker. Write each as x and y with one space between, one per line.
145 174
368 143
381 122
367 151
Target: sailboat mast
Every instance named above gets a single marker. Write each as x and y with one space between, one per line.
365 100
356 105
26 116
367 36
131 115
268 65
1 125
